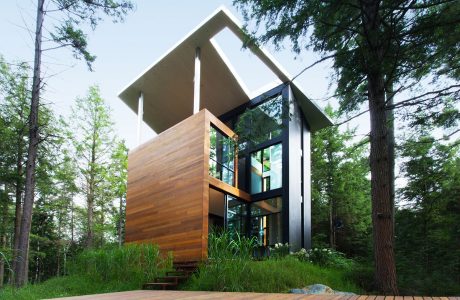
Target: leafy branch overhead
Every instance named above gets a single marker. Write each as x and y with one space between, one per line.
381 51
68 17
74 14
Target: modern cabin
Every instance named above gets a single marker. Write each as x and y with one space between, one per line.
197 172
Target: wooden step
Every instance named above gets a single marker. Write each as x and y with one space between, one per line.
162 285
171 278
175 273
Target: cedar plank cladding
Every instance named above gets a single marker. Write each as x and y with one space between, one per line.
168 188
167 194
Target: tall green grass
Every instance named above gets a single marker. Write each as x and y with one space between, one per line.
269 276
135 262
232 269
229 253
100 271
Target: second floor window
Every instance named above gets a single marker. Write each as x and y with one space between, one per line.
266 167
222 157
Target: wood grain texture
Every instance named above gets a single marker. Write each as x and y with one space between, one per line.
168 189
189 295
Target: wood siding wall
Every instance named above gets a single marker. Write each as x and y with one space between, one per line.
168 189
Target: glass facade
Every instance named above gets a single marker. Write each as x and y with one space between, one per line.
236 216
266 221
259 170
262 123
222 157
266 169
265 217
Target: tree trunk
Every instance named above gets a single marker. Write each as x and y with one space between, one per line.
391 149
382 215
330 193
37 264
382 220
3 231
72 226
120 223
90 233
18 207
21 272
90 196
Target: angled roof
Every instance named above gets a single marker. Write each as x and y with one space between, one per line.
167 84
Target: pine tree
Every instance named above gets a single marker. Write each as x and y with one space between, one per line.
93 140
379 48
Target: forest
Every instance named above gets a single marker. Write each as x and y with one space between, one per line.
63 178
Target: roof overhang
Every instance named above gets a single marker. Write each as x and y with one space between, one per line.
167 85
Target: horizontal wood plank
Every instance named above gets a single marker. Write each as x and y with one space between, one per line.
189 295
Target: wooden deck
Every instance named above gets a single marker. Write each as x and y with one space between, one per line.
169 295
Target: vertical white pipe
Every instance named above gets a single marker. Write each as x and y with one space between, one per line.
197 81
140 115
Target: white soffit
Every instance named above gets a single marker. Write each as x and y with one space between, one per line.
167 84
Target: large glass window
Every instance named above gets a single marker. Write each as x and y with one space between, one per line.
266 221
266 169
236 215
261 123
222 157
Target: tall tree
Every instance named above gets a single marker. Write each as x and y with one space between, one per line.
427 233
340 190
71 14
93 140
118 178
375 45
14 112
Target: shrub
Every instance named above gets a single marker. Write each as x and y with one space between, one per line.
269 276
324 257
280 250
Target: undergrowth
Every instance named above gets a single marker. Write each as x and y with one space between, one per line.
99 271
232 269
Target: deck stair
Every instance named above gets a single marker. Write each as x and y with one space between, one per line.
171 280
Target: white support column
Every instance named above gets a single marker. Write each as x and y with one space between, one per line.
140 115
197 81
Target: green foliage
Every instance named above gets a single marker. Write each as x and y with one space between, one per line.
265 121
338 31
269 276
133 262
340 191
65 287
325 257
67 33
100 271
224 245
101 164
279 250
428 248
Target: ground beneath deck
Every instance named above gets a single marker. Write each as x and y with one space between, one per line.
167 295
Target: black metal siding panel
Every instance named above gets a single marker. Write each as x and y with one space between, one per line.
295 175
306 186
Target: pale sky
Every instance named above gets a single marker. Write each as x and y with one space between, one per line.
124 50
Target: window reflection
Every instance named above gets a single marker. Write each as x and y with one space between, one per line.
266 221
261 123
266 169
236 212
222 157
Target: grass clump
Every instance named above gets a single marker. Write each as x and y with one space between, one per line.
232 269
269 276
99 271
134 262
